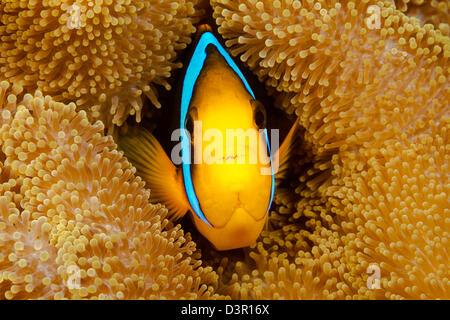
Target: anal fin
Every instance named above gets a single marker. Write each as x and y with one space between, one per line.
154 166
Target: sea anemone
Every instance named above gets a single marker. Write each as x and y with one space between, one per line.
428 11
103 54
75 222
372 202
364 215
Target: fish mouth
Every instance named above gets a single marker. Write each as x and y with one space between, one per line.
238 156
247 152
225 159
233 157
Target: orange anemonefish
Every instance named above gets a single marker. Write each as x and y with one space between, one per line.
229 198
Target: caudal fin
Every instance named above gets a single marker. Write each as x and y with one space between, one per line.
154 166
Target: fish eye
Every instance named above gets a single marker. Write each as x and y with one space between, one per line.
191 116
259 113
189 123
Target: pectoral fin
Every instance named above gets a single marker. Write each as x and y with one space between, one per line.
284 154
154 166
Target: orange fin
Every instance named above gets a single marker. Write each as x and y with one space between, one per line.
154 166
204 28
285 152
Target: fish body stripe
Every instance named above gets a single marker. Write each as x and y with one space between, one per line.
192 72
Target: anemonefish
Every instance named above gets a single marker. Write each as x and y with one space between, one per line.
228 199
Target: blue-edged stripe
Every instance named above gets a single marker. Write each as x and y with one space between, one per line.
272 189
193 71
